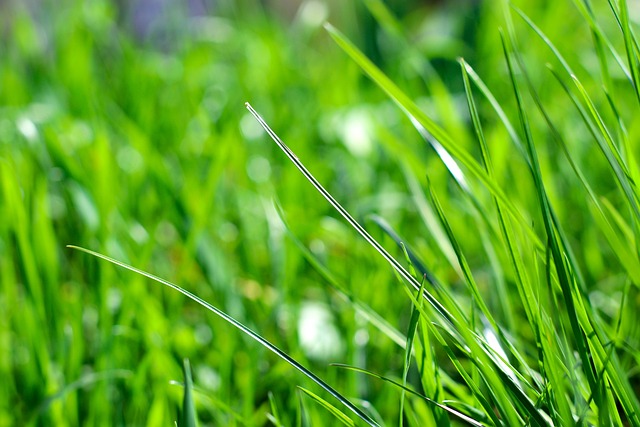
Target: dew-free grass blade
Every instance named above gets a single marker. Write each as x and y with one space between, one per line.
433 129
459 325
403 387
329 407
630 44
274 416
188 417
412 258
586 330
242 328
347 216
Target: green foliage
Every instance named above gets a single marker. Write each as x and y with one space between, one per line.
486 153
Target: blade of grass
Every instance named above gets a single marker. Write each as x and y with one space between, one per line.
413 326
403 387
188 417
630 44
458 329
587 331
329 407
347 216
564 275
435 131
242 328
605 140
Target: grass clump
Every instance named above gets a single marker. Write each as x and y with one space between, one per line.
500 188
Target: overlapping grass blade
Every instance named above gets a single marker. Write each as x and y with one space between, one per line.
586 331
433 129
413 326
347 216
244 330
329 407
602 135
564 274
403 387
630 43
503 387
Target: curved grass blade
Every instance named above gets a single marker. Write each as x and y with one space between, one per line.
470 72
604 138
411 256
450 410
598 32
347 216
274 416
587 331
242 328
329 407
456 326
188 417
434 130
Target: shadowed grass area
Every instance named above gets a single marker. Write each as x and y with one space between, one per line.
486 150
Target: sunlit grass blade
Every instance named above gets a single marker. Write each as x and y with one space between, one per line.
274 416
188 416
630 44
347 216
585 329
242 328
604 137
413 326
601 217
597 30
434 130
450 410
461 329
329 407
563 272
469 72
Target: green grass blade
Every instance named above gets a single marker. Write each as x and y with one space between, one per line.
274 417
564 275
460 325
188 417
513 134
450 410
611 152
243 329
598 32
329 407
433 129
586 330
630 45
347 216
413 326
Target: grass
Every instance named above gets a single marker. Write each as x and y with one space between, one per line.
460 249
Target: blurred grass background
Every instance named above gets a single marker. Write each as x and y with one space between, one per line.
123 130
